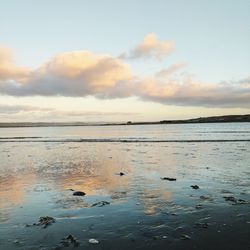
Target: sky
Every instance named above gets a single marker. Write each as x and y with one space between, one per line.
144 60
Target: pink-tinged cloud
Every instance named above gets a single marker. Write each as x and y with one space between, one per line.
8 69
190 92
151 47
171 69
83 73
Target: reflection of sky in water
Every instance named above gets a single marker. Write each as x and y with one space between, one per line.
36 178
93 168
203 131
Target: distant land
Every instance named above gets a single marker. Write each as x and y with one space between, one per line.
211 119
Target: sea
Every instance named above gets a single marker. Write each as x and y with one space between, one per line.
167 186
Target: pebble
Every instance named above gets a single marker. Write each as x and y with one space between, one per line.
100 203
185 237
45 221
168 179
195 186
93 241
79 193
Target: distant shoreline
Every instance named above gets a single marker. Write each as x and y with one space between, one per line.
211 119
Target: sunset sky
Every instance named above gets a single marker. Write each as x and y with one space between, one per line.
117 60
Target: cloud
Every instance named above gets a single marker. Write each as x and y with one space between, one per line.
18 109
151 47
190 92
91 113
171 69
83 73
14 109
78 73
8 69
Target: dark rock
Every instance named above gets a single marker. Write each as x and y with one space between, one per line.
235 201
185 237
70 239
121 174
79 193
203 197
45 221
241 201
195 186
100 203
168 178
230 198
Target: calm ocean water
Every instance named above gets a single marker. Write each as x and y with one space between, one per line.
179 132
40 168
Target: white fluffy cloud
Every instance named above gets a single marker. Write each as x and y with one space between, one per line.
151 47
78 73
190 92
83 73
8 69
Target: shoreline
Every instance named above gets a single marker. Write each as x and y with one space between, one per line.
211 119
137 196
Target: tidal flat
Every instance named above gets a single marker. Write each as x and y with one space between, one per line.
170 195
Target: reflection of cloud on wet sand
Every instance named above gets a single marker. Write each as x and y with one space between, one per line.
152 200
94 170
13 190
104 179
105 182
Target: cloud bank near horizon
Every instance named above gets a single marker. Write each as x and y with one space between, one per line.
83 73
24 110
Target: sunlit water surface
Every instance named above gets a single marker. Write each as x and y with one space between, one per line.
39 168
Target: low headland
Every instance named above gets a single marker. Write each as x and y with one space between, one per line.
211 119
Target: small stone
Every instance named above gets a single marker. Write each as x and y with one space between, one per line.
195 186
100 203
230 198
185 237
168 178
79 193
45 221
70 239
93 241
241 201
121 174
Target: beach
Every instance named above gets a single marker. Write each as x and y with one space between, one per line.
175 186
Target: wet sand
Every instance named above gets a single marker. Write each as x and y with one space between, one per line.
142 210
